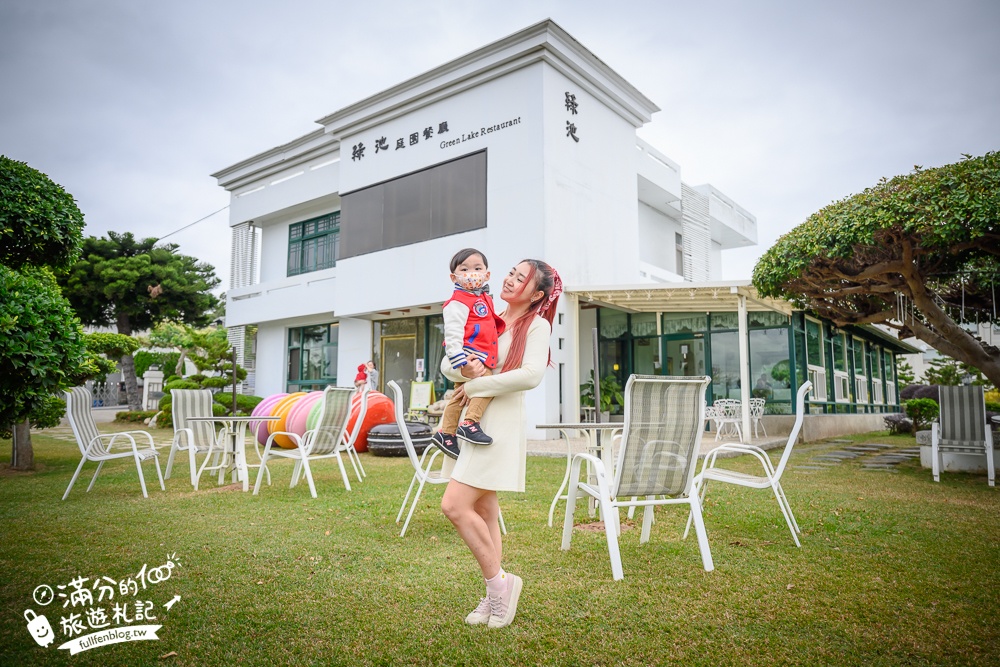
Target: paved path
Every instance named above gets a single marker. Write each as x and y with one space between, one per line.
873 456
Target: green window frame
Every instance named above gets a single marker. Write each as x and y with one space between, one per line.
313 244
312 357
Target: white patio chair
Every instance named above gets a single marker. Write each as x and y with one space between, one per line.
95 446
664 422
422 466
347 442
961 428
772 475
756 414
728 416
196 437
326 441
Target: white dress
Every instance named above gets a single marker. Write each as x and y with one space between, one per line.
501 466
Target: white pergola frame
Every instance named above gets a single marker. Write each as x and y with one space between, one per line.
736 296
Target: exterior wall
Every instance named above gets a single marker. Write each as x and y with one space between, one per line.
715 262
515 195
272 365
820 427
657 242
591 199
354 347
574 203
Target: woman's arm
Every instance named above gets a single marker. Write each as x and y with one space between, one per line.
528 376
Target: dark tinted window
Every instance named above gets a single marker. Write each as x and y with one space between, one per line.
446 199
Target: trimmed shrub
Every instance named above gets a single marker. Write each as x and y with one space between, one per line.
216 382
244 402
180 384
134 415
165 402
922 411
898 424
992 407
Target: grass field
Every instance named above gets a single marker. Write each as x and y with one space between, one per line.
893 570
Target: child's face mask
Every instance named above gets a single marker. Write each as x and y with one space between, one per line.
472 280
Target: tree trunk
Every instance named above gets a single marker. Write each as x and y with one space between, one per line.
22 456
128 367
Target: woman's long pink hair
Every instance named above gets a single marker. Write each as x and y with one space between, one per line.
542 277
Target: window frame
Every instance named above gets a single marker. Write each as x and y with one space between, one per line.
294 343
298 244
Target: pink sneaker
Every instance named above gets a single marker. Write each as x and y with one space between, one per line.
481 614
503 608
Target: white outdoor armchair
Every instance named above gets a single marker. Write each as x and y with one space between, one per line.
664 418
728 417
962 428
95 446
423 472
757 414
327 440
197 437
771 478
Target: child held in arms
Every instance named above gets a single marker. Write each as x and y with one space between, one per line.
471 330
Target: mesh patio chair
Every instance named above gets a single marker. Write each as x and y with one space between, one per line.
423 472
756 414
962 429
327 440
195 438
95 446
664 422
359 400
772 475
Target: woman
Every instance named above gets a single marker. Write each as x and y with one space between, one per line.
371 376
531 291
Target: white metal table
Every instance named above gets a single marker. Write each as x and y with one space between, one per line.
597 438
234 458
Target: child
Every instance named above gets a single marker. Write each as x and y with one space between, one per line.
471 330
362 377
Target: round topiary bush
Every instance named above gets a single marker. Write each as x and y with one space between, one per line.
180 384
922 411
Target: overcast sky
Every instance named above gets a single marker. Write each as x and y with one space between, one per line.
784 106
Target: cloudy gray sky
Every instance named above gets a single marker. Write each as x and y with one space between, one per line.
783 105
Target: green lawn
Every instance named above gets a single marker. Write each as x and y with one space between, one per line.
893 569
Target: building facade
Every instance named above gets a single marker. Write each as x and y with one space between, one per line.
526 147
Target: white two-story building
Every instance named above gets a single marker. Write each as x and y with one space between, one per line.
526 147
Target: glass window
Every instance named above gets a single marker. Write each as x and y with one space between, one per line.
887 364
445 199
643 324
725 321
840 352
313 244
674 323
814 343
876 368
646 355
859 356
435 351
800 355
770 369
312 357
613 323
725 365
767 318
